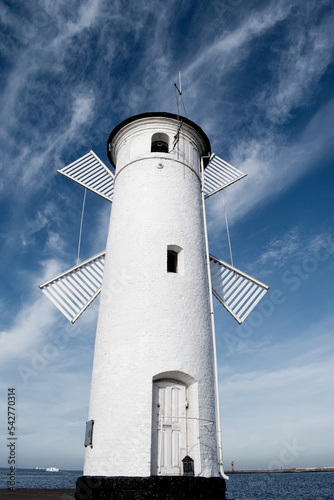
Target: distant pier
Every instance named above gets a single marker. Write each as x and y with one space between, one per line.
296 469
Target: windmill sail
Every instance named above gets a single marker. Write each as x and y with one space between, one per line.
238 292
218 175
73 291
90 172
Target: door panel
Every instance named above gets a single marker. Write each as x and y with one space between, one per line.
170 426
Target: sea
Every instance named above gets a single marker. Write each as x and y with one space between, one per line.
40 479
281 486
262 486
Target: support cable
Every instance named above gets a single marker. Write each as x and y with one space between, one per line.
81 223
227 229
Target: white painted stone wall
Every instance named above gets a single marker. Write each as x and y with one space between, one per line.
150 321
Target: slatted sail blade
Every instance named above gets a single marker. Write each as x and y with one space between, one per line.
218 175
235 290
89 171
76 288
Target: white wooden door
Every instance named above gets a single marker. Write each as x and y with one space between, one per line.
170 403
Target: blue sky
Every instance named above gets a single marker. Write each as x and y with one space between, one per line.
258 78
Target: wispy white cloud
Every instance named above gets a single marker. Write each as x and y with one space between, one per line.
279 250
34 319
272 160
55 243
234 44
291 391
48 74
309 378
40 220
37 320
308 54
293 245
82 109
273 165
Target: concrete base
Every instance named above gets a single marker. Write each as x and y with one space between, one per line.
150 488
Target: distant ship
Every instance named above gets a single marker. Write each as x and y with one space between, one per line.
39 468
52 469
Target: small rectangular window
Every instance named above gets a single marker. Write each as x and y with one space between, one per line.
171 261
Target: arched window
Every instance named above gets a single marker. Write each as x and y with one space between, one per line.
160 143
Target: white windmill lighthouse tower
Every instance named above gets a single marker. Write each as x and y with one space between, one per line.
154 411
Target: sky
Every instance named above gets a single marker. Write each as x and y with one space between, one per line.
258 78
